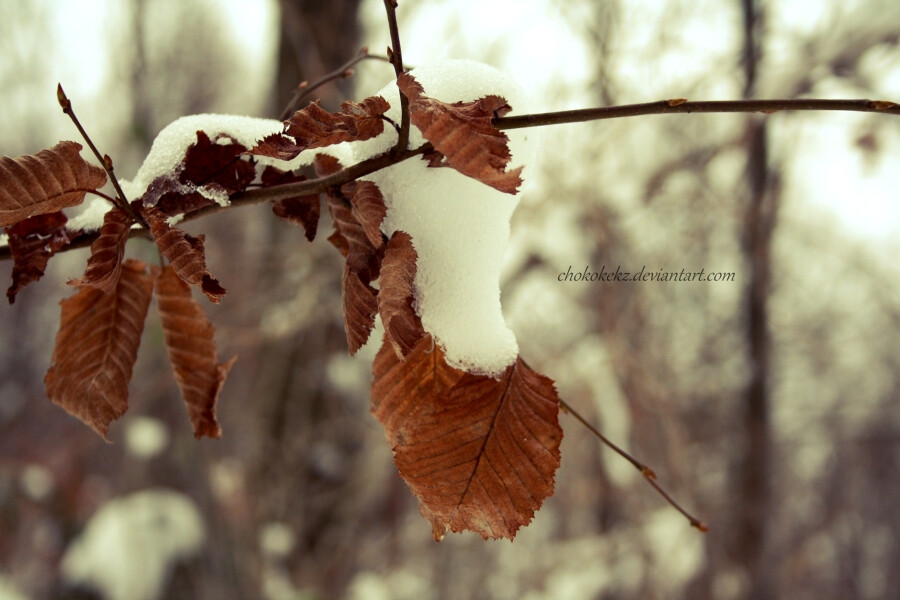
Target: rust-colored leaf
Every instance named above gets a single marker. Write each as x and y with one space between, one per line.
480 454
45 182
325 165
315 127
351 240
32 242
302 210
212 170
368 208
192 352
96 347
359 307
464 134
402 327
105 263
185 253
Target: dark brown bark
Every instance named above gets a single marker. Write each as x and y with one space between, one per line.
754 461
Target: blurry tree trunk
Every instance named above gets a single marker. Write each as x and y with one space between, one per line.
316 38
754 463
299 414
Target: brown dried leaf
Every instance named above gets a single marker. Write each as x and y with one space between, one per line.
315 127
185 253
96 347
359 308
480 454
105 264
192 352
36 184
31 243
402 327
368 208
215 167
464 134
302 210
351 240
325 165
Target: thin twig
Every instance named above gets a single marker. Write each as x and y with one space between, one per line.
680 105
105 160
646 471
343 72
396 57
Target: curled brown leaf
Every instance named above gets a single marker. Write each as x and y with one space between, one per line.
359 308
302 210
45 182
402 327
192 352
315 127
32 243
464 134
105 263
185 253
96 347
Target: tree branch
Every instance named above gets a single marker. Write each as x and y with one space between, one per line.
647 472
271 194
396 58
680 105
344 71
105 160
662 107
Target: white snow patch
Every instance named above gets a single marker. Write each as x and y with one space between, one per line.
91 218
146 437
170 146
129 546
9 592
459 226
37 482
174 219
277 539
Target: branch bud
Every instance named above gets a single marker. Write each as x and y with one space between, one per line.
61 97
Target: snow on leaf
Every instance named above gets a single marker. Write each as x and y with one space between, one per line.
402 327
211 171
302 210
359 308
192 352
105 263
315 127
32 242
479 453
45 182
185 253
464 134
96 347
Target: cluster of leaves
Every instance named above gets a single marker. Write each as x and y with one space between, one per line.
480 453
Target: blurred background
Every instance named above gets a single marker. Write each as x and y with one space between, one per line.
768 405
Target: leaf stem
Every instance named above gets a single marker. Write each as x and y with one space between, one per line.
104 160
343 72
396 58
680 105
646 471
